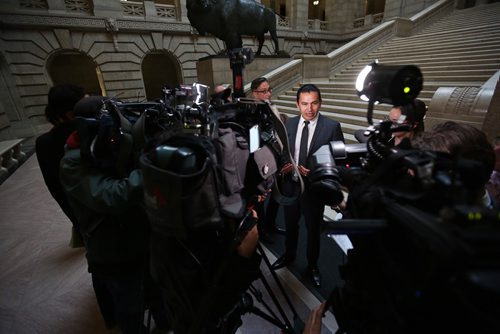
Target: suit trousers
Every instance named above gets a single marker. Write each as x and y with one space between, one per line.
312 210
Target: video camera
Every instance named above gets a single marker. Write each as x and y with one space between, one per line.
202 169
424 258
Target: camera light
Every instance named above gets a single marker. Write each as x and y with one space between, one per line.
361 80
201 93
393 84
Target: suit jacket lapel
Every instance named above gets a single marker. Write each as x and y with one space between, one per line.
317 133
292 132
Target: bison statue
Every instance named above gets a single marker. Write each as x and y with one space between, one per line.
228 20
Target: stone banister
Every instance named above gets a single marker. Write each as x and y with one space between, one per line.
282 77
10 155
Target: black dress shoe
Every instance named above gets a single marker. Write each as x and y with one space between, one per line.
282 261
316 276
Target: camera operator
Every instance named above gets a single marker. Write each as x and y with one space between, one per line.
107 197
221 95
50 146
465 142
412 115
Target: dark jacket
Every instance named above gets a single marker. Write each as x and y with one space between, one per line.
327 130
109 212
49 152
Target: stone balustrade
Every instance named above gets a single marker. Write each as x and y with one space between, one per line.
10 155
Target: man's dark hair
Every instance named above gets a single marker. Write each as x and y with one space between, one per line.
61 99
256 82
460 139
308 88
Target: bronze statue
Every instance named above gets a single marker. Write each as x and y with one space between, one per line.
229 19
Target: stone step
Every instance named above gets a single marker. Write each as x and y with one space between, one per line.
435 71
465 50
480 31
455 22
415 57
428 85
493 64
413 42
487 56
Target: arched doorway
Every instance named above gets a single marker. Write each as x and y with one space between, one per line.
10 103
159 70
78 69
278 6
374 6
317 10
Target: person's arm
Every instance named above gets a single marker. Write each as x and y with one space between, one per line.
249 243
313 325
96 190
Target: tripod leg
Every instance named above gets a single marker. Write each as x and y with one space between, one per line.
274 321
276 302
258 295
276 279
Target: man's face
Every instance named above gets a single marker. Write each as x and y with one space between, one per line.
309 105
396 117
262 92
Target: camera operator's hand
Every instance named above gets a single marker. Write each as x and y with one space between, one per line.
249 242
313 325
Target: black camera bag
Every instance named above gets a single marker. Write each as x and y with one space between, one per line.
181 199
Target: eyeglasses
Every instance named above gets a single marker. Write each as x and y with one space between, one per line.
264 91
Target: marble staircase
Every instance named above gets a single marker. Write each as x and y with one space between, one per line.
461 49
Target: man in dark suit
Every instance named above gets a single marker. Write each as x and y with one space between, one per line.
306 134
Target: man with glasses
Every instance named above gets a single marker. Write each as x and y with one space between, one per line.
261 90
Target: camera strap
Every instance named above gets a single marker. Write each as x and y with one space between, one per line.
282 138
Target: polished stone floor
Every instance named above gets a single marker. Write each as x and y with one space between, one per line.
44 284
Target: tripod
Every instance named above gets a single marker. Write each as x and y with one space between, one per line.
232 320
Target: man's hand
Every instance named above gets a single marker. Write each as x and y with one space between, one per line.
303 171
287 168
